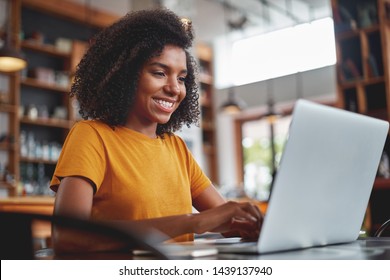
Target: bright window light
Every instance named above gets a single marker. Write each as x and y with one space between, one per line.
287 51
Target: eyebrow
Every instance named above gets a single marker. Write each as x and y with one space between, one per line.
162 65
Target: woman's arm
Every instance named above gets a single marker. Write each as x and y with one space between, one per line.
216 215
74 199
207 199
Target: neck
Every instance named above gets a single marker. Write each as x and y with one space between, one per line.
149 131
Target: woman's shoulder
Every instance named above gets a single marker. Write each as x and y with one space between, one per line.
89 128
91 124
175 139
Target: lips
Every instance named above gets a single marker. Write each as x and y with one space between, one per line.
165 105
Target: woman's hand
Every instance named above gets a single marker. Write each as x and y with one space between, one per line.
231 219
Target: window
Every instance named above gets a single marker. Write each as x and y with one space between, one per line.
283 52
257 154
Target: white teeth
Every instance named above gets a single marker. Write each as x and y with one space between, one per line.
165 104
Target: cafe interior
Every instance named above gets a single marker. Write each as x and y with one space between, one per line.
256 59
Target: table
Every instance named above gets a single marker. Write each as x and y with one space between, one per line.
362 249
370 248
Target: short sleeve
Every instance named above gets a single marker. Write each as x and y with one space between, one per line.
83 155
198 179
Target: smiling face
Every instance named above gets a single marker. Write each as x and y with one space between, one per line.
160 90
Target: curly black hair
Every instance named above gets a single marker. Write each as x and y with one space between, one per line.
107 77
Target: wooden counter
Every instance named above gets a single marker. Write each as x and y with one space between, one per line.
31 204
28 204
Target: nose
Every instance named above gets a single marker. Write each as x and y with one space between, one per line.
172 87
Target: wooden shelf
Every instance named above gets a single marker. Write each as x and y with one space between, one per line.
6 185
72 11
206 80
42 85
357 32
45 49
5 146
373 80
363 71
52 19
58 123
8 108
347 34
364 82
33 160
371 29
9 146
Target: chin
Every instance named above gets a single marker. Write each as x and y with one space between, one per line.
163 120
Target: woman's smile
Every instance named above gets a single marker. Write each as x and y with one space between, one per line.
161 89
165 104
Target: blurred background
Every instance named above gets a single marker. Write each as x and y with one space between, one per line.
256 58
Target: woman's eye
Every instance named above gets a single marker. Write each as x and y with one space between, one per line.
161 74
182 79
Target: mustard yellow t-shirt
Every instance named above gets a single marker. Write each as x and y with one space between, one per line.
135 177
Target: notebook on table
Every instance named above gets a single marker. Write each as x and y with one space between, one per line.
323 184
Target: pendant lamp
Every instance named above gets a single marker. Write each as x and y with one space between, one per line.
11 59
233 105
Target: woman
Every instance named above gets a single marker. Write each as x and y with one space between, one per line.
136 86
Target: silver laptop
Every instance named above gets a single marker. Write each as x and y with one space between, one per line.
324 180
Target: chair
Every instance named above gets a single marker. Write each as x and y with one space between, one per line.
17 242
382 229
